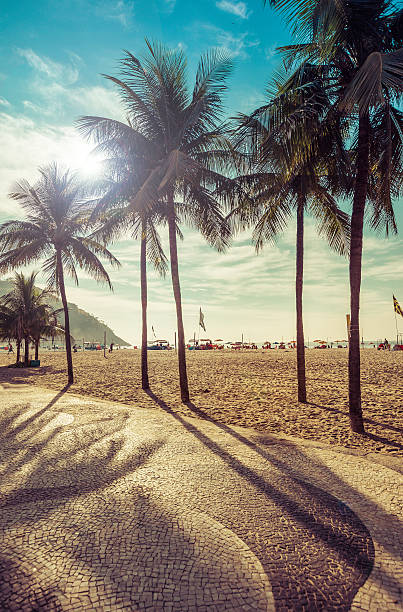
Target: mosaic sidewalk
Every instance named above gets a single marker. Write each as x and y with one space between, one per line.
110 507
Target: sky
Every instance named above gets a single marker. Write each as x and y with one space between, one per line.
54 54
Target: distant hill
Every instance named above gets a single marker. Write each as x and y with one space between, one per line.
82 324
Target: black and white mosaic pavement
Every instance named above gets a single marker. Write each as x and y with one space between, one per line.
106 507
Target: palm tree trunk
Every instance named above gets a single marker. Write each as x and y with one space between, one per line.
18 350
357 222
36 350
298 295
26 353
143 281
173 250
62 289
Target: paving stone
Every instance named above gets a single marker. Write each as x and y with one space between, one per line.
140 510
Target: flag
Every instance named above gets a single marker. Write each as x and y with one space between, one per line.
201 320
396 307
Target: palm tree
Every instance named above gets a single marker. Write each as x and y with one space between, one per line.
24 314
45 324
58 216
363 70
123 176
177 138
19 309
143 225
290 174
11 326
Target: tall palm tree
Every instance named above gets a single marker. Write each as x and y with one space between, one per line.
357 48
58 215
143 226
124 173
181 145
290 174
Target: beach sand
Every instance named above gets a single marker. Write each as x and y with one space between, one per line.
247 388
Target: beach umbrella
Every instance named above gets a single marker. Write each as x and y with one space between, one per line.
218 340
321 341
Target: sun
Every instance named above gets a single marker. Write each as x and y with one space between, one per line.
80 157
90 167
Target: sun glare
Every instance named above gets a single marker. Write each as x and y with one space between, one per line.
80 157
90 167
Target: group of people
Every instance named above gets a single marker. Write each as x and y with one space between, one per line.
112 344
384 346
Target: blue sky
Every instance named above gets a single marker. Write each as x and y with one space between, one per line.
53 55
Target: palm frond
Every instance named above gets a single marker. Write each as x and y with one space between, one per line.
22 256
333 223
87 260
380 70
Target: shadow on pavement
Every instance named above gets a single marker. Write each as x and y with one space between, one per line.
76 533
321 552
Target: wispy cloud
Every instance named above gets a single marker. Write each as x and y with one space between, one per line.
56 85
234 45
270 52
121 11
169 5
239 9
31 106
51 69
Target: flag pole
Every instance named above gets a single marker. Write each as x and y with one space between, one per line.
397 331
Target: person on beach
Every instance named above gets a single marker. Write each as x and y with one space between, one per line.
10 348
111 347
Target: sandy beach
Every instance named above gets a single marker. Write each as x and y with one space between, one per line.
251 388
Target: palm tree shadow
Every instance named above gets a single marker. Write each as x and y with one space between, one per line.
362 550
11 374
46 457
8 426
366 420
88 519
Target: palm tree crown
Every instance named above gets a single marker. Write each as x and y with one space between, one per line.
296 155
58 216
357 49
57 209
179 145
